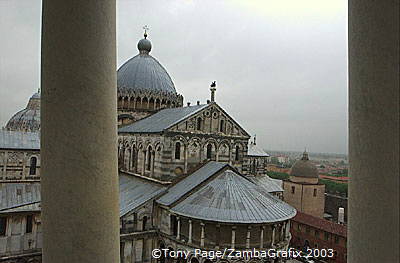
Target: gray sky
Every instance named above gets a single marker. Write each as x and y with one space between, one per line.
280 65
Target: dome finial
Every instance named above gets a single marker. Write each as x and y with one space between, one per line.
145 27
144 45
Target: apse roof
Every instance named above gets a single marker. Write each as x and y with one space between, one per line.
187 184
231 198
162 120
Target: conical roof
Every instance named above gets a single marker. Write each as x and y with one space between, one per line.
230 197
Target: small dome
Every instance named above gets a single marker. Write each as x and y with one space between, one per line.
144 45
304 168
27 119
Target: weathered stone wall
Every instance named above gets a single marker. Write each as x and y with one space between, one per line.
16 164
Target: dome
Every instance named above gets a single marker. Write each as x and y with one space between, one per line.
144 73
304 168
27 119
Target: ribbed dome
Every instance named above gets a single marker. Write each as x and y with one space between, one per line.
143 72
304 168
27 119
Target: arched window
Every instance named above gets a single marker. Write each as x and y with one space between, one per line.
177 150
237 153
209 151
32 167
144 223
149 152
222 126
198 126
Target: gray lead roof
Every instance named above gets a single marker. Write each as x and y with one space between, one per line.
144 72
19 140
162 120
187 184
134 192
18 195
231 198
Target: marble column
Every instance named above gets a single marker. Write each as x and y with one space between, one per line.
233 237
190 231
80 208
178 228
273 235
202 235
248 237
373 219
262 237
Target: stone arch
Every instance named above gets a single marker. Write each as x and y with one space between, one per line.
151 104
224 152
119 102
138 103
145 103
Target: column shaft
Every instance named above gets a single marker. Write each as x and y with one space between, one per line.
80 207
190 231
373 131
202 235
233 237
262 237
178 228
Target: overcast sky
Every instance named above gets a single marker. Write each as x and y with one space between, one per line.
280 65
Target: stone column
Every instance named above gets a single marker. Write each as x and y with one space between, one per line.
80 209
185 154
217 236
144 162
262 237
248 237
178 228
24 160
233 237
5 164
373 131
287 229
190 232
202 235
273 235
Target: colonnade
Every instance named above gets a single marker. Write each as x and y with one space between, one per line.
283 234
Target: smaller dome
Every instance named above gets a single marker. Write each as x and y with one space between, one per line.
304 168
144 45
27 119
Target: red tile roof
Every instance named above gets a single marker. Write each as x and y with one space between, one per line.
325 225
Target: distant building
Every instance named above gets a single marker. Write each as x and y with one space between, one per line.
283 159
313 232
302 190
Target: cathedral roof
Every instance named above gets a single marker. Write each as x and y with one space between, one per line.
221 194
19 140
27 119
304 168
162 120
143 72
